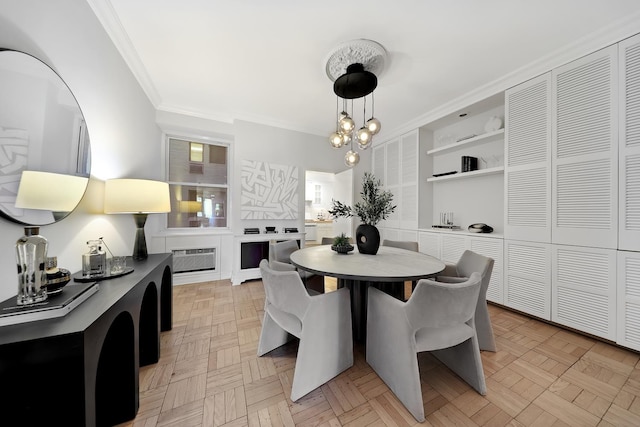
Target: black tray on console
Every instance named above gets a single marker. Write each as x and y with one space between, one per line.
97 277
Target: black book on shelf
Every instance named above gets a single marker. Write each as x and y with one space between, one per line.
55 305
290 230
252 230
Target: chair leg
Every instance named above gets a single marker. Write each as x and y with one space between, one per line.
486 340
391 353
326 344
464 359
272 336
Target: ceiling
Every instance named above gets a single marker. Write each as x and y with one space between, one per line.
264 61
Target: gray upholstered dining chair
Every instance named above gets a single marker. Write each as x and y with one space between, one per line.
329 240
402 244
397 290
468 263
438 318
321 322
281 252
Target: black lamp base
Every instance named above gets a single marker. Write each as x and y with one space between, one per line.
140 244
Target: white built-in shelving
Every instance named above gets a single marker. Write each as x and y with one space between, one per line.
485 137
470 174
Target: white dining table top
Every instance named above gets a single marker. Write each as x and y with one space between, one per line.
388 265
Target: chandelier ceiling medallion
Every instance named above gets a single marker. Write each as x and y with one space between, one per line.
354 68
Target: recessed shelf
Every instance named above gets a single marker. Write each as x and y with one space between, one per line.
485 137
479 172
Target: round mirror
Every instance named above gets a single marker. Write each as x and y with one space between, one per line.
45 156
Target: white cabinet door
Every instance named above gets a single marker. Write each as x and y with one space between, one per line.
585 151
429 243
449 249
528 161
629 299
583 289
527 281
492 248
629 145
452 247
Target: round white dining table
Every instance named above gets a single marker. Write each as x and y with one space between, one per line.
389 267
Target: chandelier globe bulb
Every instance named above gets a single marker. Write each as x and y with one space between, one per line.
347 124
351 158
373 125
363 135
336 140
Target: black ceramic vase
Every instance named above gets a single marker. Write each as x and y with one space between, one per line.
367 239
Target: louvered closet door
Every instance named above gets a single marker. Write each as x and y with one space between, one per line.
527 277
583 289
392 153
408 210
528 161
629 145
379 162
629 299
378 167
493 249
585 151
429 243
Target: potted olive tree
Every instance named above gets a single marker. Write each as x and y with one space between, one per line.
376 205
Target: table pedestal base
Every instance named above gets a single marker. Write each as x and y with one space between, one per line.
358 289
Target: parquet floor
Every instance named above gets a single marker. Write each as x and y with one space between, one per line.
209 375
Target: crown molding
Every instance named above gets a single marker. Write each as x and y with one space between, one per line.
606 36
103 9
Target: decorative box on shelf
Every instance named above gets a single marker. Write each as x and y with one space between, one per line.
447 227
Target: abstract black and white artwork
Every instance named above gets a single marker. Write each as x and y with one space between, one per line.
269 191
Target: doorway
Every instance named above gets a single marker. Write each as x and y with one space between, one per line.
321 188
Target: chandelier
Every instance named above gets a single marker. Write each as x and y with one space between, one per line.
353 67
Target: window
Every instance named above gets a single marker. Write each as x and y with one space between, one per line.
197 176
196 153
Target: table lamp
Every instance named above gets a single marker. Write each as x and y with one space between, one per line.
138 197
55 192
58 193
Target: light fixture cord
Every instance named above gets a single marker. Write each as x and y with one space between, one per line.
337 113
364 112
354 128
373 106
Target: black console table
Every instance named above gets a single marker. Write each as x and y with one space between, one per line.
82 369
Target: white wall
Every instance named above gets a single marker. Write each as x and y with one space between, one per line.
249 141
280 146
124 137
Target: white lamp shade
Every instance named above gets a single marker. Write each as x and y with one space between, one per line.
50 191
136 196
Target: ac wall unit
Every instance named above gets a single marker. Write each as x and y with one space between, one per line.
188 260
